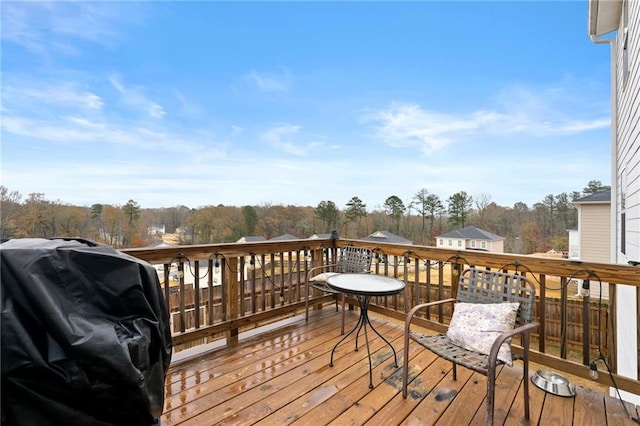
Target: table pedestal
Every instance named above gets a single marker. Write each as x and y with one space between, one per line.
363 320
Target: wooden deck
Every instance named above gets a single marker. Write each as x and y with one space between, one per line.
283 376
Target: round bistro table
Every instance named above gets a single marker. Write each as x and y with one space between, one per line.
364 287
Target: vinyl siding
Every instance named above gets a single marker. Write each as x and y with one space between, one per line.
628 122
595 233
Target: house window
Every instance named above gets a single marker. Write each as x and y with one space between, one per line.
450 243
483 244
473 244
459 243
441 242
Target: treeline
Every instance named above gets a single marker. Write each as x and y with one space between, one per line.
526 229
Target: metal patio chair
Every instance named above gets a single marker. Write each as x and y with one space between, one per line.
354 260
479 286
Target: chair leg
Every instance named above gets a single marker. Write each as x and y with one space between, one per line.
405 363
455 371
525 360
306 302
491 391
343 313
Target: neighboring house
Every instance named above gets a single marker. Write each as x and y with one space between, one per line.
591 242
160 244
319 236
471 238
251 239
386 237
156 230
284 237
618 24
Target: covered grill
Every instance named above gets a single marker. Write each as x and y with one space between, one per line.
85 335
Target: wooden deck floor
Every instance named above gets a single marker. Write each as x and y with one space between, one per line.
283 377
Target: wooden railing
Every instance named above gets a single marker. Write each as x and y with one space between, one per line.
217 291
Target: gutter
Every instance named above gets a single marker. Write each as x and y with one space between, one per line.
614 142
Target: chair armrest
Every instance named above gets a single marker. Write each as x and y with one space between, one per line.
313 270
416 308
493 354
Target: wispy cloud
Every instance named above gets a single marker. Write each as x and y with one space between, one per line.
82 131
270 82
402 125
290 139
53 27
66 94
135 97
518 111
186 107
73 113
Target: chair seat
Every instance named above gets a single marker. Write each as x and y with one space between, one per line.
445 348
323 286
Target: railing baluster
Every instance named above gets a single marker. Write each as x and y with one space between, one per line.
563 315
586 330
210 292
196 294
542 313
252 278
569 326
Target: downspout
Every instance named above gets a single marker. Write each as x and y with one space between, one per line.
614 144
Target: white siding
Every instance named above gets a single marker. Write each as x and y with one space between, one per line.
628 143
595 240
627 178
595 235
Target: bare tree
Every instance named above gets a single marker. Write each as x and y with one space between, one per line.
9 211
482 202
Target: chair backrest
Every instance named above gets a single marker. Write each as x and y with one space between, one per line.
482 286
354 260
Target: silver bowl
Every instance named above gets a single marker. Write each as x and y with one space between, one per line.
553 383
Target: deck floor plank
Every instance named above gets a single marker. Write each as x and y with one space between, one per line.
357 389
591 404
321 396
282 377
313 376
245 374
398 408
508 382
438 398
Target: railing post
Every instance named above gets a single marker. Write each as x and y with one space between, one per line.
317 259
232 298
563 317
612 328
542 314
455 279
182 295
586 327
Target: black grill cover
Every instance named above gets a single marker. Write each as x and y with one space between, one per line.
85 335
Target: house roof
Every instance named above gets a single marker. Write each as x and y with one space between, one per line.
251 239
471 233
318 236
284 237
386 237
160 244
603 197
604 16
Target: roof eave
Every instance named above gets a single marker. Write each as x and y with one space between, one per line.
604 16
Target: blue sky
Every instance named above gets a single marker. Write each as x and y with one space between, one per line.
236 103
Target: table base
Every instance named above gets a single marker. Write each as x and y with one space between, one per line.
363 320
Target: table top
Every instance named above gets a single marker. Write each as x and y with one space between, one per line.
366 284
